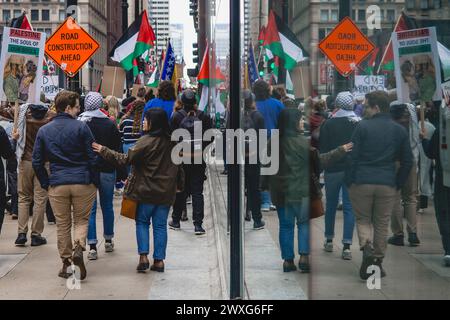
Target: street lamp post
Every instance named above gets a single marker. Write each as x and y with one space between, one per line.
341 82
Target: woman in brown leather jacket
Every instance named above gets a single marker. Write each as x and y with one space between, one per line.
153 182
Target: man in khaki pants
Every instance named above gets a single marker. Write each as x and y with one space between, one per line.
67 144
378 142
31 119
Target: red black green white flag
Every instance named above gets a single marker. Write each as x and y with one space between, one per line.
283 43
134 42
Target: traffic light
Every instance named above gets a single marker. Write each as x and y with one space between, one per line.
261 68
271 65
193 8
195 53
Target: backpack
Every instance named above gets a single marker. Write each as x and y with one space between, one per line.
190 122
248 123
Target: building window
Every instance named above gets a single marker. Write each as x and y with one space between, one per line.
410 4
361 15
62 15
6 15
34 15
324 15
45 15
334 15
390 15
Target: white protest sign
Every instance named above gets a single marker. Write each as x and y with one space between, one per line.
444 137
366 84
50 86
417 66
21 64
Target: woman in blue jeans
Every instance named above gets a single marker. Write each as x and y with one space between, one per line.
290 190
152 184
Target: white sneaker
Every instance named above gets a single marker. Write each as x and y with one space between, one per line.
273 208
328 246
109 246
346 254
447 260
92 255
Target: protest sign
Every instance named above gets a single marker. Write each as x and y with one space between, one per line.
346 46
70 47
21 64
444 137
366 84
417 66
50 86
113 83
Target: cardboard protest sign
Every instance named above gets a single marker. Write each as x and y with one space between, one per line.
301 80
444 136
113 83
346 46
417 66
366 84
70 47
21 64
50 86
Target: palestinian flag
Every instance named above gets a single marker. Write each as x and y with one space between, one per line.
134 43
369 70
262 35
204 76
289 86
444 55
153 82
283 42
21 23
403 23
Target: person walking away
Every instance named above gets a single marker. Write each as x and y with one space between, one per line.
433 151
67 144
426 169
153 183
165 100
406 116
253 120
6 153
270 108
373 179
130 125
187 119
336 132
290 190
105 133
31 195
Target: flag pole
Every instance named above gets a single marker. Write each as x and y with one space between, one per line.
389 43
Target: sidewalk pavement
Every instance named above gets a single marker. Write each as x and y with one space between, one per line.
191 266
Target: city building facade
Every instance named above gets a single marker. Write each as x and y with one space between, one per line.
177 40
158 13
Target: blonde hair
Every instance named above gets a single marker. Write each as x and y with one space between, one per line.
9 66
113 106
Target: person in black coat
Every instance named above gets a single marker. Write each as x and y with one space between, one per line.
105 133
6 153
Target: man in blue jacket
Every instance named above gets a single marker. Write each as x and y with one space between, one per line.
378 143
67 144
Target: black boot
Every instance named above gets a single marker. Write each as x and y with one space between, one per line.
21 239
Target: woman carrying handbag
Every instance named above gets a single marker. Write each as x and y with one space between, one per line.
151 186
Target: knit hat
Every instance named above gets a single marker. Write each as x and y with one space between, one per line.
345 101
93 101
188 97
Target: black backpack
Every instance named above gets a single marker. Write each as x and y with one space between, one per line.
248 123
190 121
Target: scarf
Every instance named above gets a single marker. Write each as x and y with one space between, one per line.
341 113
88 115
22 129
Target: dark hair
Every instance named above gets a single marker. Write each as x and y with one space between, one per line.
399 111
279 94
159 122
261 90
141 93
166 91
66 98
149 95
288 122
380 99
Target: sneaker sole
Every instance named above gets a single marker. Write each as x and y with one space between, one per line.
260 228
38 245
414 244
199 233
173 228
92 258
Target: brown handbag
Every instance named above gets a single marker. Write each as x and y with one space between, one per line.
129 208
316 209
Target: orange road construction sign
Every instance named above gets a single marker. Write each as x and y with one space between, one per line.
70 47
346 46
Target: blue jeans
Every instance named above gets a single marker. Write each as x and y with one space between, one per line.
126 147
288 216
106 193
266 200
334 182
158 216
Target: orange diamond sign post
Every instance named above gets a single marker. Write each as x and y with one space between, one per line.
70 47
346 46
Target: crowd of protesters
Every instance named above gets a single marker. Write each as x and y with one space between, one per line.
375 158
